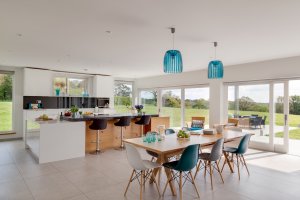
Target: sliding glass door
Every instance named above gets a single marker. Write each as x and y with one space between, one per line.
261 109
148 98
294 117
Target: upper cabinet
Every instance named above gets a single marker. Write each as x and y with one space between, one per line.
103 86
37 82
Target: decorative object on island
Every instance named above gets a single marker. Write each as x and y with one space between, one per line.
74 110
173 59
215 67
139 108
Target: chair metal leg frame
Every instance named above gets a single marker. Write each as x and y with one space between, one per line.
187 176
144 176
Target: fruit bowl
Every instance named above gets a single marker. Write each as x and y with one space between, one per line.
183 135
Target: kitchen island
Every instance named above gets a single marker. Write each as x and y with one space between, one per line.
111 136
72 137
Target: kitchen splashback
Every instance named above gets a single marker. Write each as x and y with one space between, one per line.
50 102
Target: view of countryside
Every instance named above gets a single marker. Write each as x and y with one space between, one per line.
197 104
5 102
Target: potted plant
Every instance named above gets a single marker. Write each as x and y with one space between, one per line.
74 110
139 108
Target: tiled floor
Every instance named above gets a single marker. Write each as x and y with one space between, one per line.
273 176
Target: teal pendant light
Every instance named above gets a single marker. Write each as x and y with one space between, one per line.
173 59
215 67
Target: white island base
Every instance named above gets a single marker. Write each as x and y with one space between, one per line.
57 140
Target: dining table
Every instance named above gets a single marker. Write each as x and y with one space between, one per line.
172 146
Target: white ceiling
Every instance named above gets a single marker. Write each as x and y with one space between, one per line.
71 34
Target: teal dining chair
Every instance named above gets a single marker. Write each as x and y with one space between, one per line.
183 167
238 152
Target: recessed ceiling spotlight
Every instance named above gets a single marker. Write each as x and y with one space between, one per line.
85 70
19 34
107 31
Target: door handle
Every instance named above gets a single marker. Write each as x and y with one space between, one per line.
285 119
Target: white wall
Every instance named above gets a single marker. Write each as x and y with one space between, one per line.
273 69
18 101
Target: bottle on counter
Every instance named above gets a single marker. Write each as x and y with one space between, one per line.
96 110
61 116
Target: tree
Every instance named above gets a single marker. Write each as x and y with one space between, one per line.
171 100
6 88
122 90
295 105
245 103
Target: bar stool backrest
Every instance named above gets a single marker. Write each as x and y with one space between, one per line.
124 121
98 124
145 120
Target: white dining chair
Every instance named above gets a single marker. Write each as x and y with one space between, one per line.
142 169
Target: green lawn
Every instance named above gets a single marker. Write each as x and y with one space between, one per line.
5 116
293 134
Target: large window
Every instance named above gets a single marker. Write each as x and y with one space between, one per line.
171 106
6 108
148 98
250 106
196 103
123 96
70 86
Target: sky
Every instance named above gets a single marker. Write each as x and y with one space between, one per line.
260 93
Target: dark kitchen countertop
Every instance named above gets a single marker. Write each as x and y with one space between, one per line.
106 116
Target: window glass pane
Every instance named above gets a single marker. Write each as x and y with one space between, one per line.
6 102
123 97
231 102
149 100
196 104
76 87
60 83
254 110
171 106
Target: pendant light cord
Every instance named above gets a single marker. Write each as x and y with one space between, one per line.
215 45
173 31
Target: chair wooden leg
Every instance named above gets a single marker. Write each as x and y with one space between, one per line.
228 162
155 184
211 175
141 185
238 165
180 185
133 171
219 172
197 169
205 168
193 182
245 164
167 184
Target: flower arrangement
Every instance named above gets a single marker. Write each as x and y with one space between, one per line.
139 108
60 84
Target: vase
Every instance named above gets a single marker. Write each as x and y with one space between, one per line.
139 112
57 91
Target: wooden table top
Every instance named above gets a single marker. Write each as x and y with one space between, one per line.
171 143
